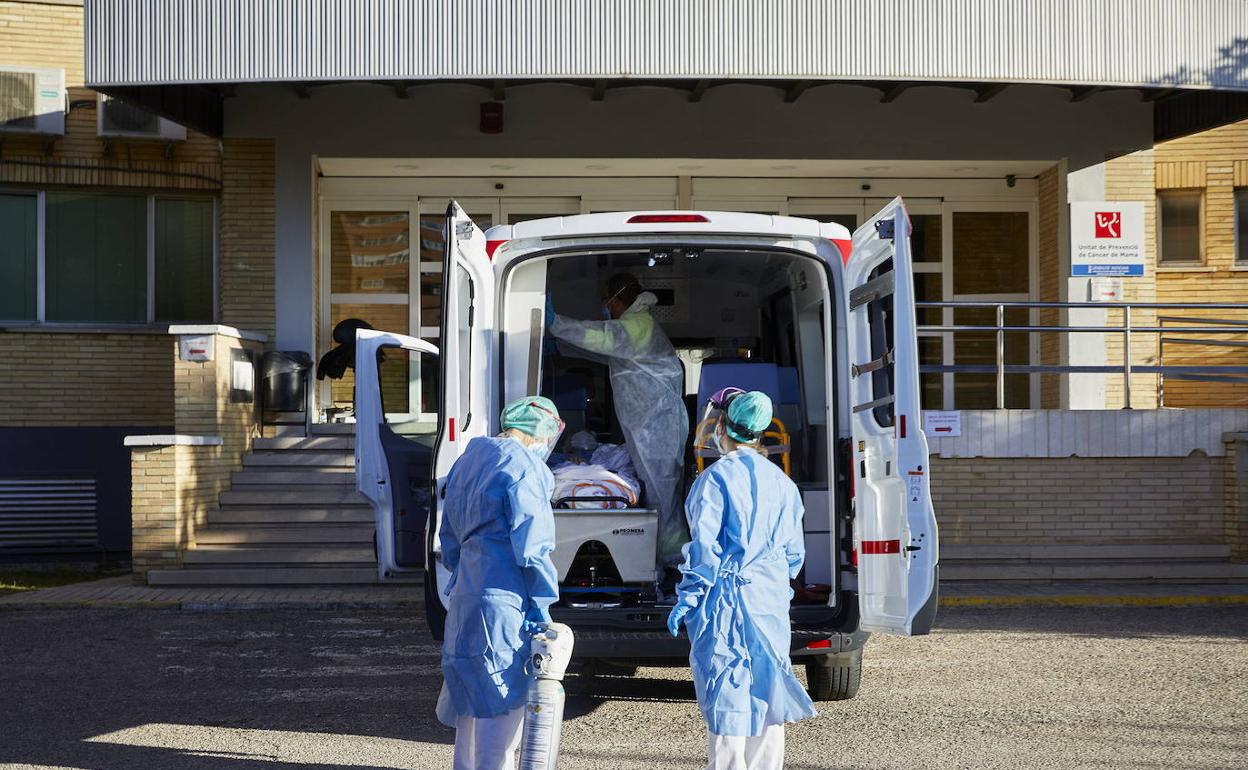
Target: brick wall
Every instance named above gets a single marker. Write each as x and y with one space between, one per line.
60 378
1236 485
50 35
1100 500
174 488
1050 280
1216 162
1130 178
248 235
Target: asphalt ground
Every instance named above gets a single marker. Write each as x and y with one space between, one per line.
1033 687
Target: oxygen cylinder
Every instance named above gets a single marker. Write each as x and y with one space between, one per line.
550 650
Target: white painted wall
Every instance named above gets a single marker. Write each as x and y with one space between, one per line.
733 121
1091 433
1087 391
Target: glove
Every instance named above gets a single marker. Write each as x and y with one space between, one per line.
550 311
535 620
676 617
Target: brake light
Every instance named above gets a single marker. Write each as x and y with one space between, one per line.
649 219
491 247
822 644
853 556
845 246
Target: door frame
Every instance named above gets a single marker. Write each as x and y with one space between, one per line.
1032 209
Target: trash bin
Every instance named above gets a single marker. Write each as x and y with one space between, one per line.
284 380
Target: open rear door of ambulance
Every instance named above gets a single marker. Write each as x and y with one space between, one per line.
894 524
393 446
469 376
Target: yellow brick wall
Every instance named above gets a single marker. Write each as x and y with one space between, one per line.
1131 178
175 488
1216 162
1050 280
156 532
1131 500
57 378
248 235
50 35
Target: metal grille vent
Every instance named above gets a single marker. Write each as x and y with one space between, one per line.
17 99
41 513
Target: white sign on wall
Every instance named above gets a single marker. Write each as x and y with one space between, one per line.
939 424
196 347
1106 239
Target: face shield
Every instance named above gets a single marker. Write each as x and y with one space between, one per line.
550 430
705 437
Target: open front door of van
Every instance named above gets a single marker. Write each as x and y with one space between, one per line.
469 374
894 524
393 448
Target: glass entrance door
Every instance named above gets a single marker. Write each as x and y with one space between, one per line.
991 252
367 248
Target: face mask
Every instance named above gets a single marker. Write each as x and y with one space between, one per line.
540 448
606 312
721 440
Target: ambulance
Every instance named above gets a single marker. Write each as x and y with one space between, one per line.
822 320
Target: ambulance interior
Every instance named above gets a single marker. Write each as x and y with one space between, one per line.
753 319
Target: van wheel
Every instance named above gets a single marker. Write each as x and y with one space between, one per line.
836 676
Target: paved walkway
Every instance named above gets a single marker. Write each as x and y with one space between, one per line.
122 592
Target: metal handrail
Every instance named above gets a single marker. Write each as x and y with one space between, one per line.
1126 329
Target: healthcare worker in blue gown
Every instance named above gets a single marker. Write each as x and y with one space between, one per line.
497 534
745 517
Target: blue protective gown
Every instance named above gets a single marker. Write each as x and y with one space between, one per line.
745 517
497 535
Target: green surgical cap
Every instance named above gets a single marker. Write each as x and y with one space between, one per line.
535 416
751 411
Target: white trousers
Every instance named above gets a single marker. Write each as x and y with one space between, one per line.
489 743
740 752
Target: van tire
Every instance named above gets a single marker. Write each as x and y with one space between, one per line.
834 677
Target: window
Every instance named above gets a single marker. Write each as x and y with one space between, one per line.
1241 226
184 259
96 258
123 258
19 257
464 324
1178 219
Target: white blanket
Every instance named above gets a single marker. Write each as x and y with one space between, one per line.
593 481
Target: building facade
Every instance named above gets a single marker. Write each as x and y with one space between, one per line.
321 150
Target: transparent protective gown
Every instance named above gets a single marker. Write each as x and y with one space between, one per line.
497 535
647 380
745 516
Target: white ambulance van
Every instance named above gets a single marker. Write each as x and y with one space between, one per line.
822 320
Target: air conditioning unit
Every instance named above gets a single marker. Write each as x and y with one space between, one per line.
117 118
32 100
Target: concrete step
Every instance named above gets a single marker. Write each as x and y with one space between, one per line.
291 514
320 496
312 443
237 556
333 429
278 458
1142 552
1158 571
294 534
285 478
263 576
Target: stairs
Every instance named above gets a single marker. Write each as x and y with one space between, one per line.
290 517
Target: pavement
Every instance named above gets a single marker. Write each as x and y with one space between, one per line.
122 592
1139 688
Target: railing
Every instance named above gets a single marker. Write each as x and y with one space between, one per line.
1203 326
